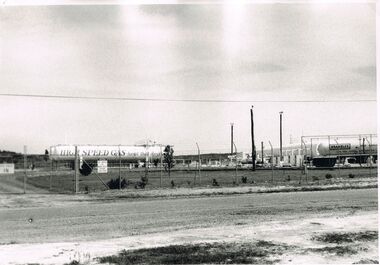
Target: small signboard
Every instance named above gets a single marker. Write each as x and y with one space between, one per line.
7 168
102 166
340 146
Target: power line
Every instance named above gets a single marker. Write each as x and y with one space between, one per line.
181 100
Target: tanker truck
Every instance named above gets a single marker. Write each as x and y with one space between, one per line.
327 154
89 154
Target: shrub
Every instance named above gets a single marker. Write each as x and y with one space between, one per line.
244 180
172 183
328 176
114 183
142 183
214 182
351 176
288 178
315 178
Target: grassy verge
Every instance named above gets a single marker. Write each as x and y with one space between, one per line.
62 181
259 252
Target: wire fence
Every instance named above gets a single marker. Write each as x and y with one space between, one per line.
36 175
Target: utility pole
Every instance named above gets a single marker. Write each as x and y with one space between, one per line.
253 142
281 112
262 154
232 138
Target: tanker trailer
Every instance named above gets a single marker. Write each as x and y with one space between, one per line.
91 153
327 154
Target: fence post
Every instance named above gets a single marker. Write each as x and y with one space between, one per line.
271 160
25 167
76 166
160 165
51 175
199 164
119 169
236 162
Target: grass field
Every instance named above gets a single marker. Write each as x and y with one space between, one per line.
62 180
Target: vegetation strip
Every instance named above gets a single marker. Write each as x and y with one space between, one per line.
259 252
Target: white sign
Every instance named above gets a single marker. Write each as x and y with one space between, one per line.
7 168
102 166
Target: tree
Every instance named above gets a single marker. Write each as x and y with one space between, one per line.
168 159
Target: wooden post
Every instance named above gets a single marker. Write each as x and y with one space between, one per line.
119 169
253 142
199 164
161 166
25 167
76 169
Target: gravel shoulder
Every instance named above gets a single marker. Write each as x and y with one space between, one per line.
83 227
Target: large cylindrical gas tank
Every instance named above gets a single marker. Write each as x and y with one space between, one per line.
130 153
335 149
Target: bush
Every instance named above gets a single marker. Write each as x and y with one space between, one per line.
172 183
328 176
351 176
214 182
288 178
114 183
142 183
244 180
315 178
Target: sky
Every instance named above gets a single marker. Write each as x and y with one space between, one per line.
315 62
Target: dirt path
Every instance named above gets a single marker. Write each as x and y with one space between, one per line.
295 233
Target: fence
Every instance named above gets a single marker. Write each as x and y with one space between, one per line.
38 174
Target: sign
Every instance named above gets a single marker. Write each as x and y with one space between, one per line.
7 168
102 166
108 152
340 146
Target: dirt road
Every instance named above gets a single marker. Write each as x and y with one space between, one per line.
101 221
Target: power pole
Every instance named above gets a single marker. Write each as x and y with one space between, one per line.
253 142
262 153
232 138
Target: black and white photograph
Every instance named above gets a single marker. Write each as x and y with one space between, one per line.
188 132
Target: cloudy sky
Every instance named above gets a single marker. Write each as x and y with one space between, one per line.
266 55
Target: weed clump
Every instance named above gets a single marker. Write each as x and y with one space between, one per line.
215 182
328 176
114 184
351 176
339 238
337 250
